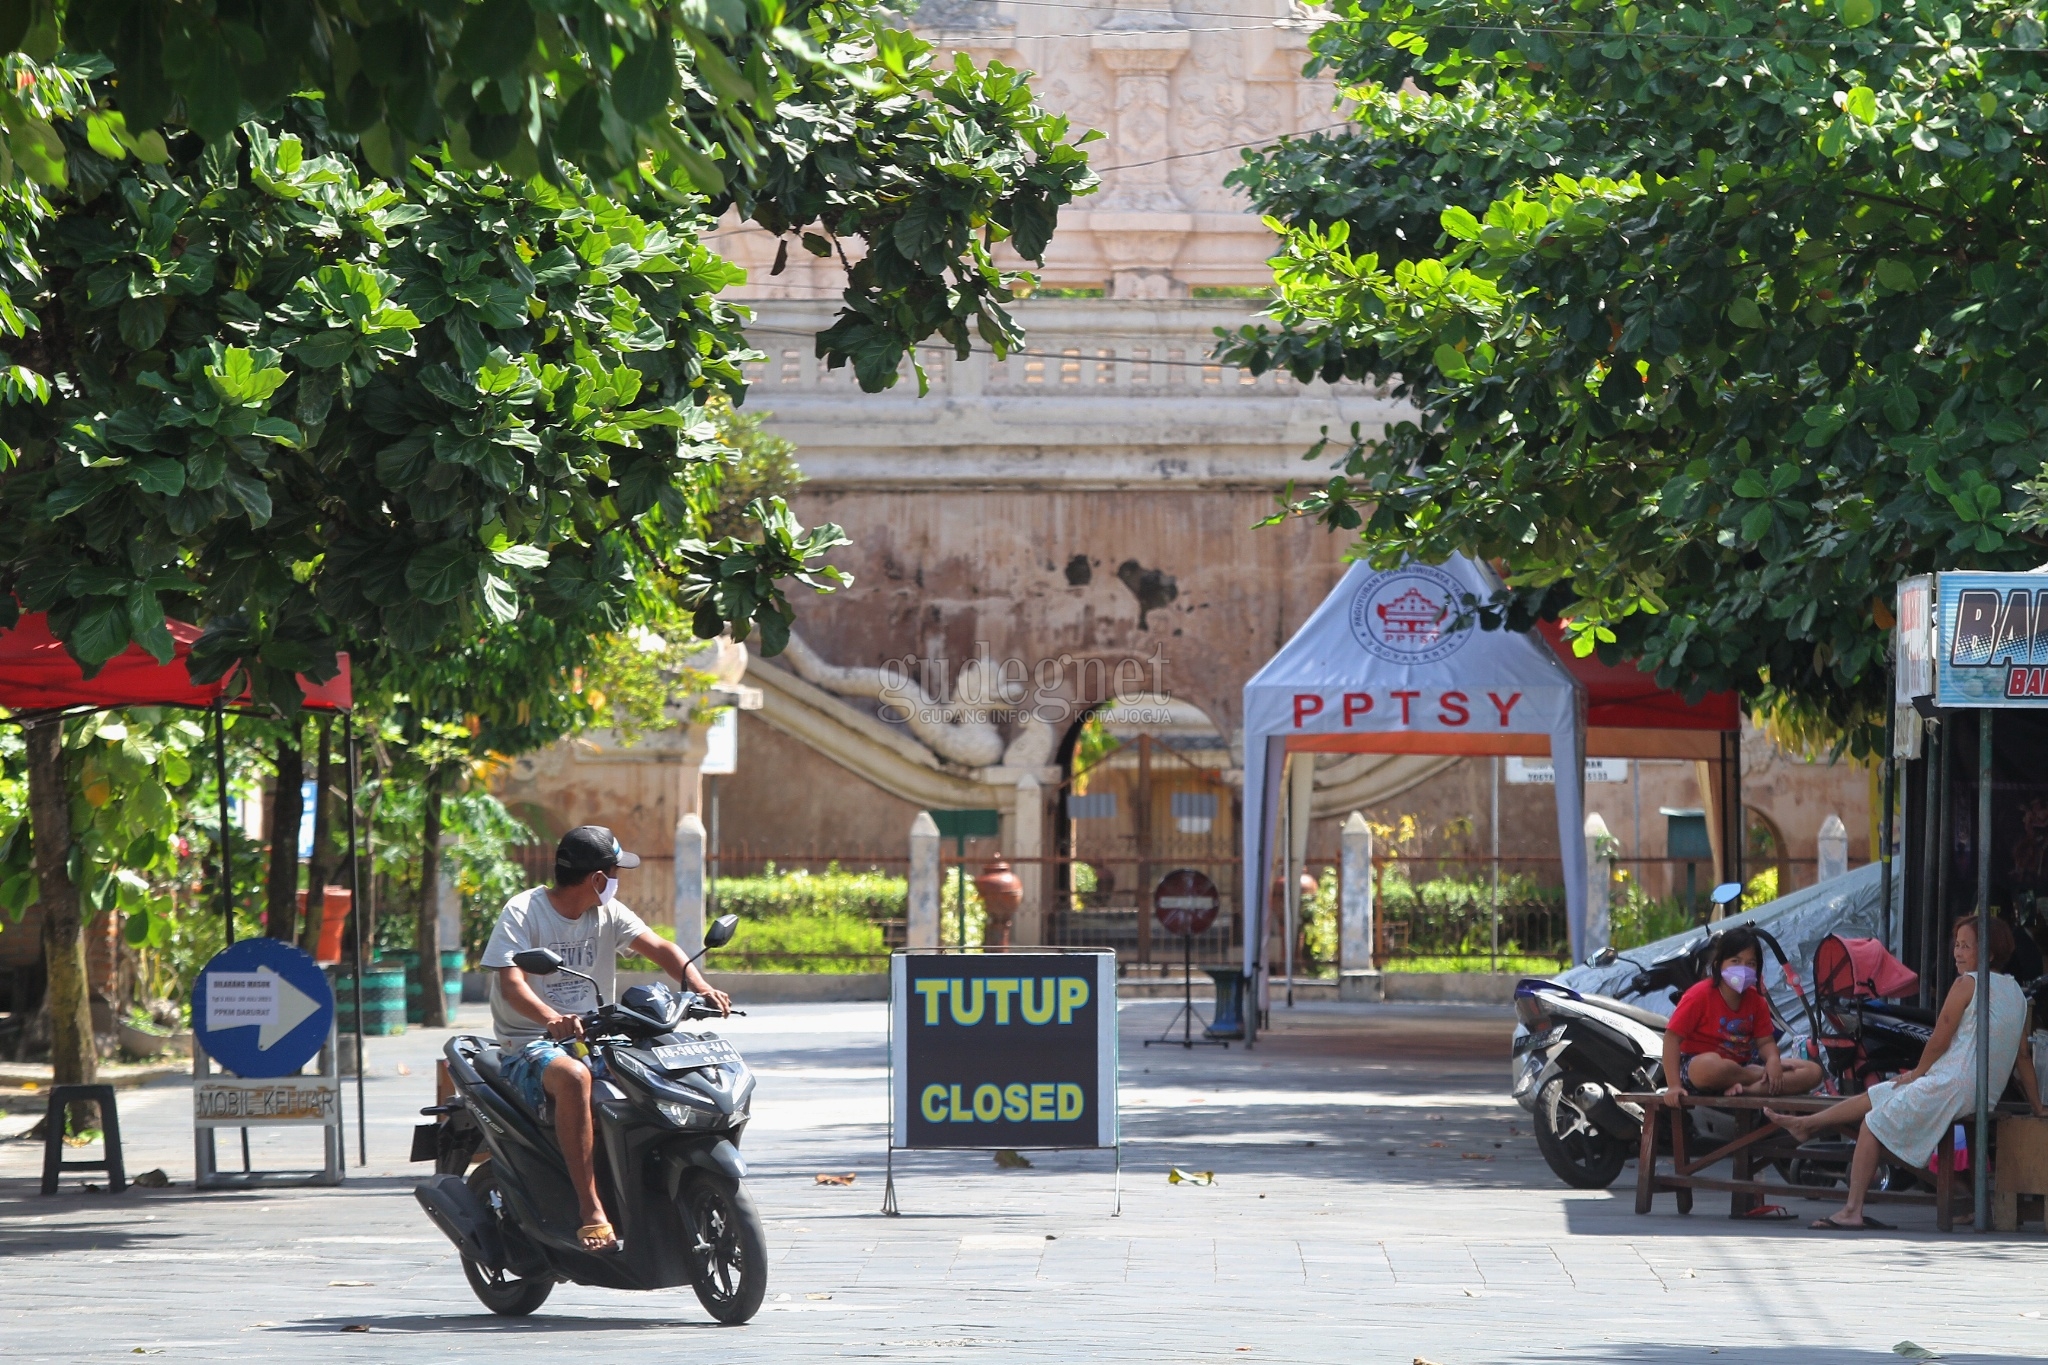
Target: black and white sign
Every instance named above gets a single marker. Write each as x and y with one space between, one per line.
699 1052
1003 1050
1538 772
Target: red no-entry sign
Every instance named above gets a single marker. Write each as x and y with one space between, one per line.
1185 901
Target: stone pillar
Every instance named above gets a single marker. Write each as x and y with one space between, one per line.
1833 847
689 893
1599 884
1140 221
922 929
1027 840
1358 978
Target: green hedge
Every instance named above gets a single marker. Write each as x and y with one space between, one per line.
871 895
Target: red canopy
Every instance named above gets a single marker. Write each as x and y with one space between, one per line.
1624 697
37 674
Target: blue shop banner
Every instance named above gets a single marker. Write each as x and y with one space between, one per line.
1991 639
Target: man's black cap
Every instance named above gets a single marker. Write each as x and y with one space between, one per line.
590 848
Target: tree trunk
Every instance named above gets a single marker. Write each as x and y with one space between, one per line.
281 894
67 999
427 938
319 870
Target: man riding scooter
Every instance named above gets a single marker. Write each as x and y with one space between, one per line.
581 919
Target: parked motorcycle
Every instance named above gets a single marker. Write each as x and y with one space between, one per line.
1574 1054
670 1107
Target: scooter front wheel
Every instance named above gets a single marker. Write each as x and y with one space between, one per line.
729 1259
497 1290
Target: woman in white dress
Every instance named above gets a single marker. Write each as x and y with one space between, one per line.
1901 1121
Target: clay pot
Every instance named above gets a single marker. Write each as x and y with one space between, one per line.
1002 891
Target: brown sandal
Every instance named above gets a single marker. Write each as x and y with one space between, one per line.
598 1238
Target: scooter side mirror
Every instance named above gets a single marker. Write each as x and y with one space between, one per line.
1727 893
721 931
537 961
1604 958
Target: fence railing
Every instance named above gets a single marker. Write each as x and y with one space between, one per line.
1459 908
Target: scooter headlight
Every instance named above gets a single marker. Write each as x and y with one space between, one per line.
688 1116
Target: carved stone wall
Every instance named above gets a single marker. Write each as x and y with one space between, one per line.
1177 89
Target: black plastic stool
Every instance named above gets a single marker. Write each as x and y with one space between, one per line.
61 1098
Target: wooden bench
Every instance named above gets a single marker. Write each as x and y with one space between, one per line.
1760 1141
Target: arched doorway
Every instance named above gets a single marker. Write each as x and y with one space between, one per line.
1143 793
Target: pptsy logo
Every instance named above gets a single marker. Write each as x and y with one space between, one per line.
1407 615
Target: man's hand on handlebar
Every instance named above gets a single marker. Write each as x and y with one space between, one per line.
717 997
563 1027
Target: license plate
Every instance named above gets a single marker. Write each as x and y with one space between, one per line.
704 1052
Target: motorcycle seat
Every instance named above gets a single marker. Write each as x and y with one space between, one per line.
489 1063
1628 1011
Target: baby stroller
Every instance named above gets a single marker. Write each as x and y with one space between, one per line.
1864 1034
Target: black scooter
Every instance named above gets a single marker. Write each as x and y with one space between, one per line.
670 1107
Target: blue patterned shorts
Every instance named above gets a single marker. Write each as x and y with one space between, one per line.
524 1067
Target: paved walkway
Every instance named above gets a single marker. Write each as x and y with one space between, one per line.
1377 1199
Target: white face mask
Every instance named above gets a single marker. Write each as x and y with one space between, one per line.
611 889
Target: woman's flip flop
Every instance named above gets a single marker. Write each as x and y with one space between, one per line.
1769 1213
598 1238
1868 1224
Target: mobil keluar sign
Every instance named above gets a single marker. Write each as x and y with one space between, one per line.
1002 1050
1973 639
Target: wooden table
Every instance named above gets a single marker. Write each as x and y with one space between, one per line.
1759 1138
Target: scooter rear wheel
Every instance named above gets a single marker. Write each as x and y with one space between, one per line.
1573 1147
729 1262
502 1293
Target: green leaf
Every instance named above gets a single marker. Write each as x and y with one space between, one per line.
250 491
1460 223
1861 104
521 557
1450 361
441 573
37 149
1756 523
101 632
645 81
322 350
500 601
1896 275
1743 312
142 322
14 21
1858 13
165 478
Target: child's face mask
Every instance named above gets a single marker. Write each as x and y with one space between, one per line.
1740 976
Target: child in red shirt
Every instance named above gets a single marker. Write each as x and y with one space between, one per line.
1719 1040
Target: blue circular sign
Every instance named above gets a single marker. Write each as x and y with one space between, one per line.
262 1008
1409 615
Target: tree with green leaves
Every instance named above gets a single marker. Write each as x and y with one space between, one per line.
1718 321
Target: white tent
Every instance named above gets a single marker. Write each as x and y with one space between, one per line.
1378 669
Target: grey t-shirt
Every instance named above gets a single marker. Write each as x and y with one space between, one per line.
590 943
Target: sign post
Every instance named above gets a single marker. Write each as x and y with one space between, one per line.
994 1051
261 1010
1185 902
